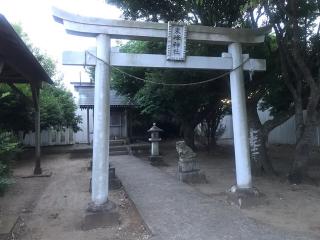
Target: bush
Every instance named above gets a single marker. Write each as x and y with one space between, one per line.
9 147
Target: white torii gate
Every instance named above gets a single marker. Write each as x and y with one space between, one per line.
103 30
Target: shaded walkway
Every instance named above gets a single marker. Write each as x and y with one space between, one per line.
173 210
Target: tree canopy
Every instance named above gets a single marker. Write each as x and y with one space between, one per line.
298 39
217 13
181 105
188 106
289 87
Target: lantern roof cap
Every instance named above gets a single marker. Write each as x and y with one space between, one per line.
154 128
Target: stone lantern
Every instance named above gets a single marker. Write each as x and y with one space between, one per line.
155 157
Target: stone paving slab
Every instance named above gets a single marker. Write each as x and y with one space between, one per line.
175 211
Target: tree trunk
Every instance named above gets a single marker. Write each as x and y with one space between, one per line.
299 169
188 134
208 133
260 163
298 118
211 135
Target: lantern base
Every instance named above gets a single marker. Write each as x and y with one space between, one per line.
156 160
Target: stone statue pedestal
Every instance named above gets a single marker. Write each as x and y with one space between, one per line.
188 165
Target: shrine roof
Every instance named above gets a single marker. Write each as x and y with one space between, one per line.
17 63
86 96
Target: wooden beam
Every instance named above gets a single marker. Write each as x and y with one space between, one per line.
35 96
134 30
1 66
37 168
20 81
160 61
8 79
88 126
37 135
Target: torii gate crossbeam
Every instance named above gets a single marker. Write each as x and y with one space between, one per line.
103 30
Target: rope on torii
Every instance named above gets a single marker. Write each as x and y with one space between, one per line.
171 84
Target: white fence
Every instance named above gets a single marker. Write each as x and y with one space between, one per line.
283 134
50 137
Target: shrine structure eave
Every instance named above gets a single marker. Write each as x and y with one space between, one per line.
135 30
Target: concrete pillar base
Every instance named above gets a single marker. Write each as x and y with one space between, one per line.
37 171
105 215
245 197
106 207
156 161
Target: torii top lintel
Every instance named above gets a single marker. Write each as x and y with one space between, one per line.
122 29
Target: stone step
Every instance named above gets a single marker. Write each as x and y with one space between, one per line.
140 147
118 148
113 151
117 142
117 153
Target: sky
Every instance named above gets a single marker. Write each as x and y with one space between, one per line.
36 19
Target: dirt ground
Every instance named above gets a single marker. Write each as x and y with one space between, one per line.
54 207
292 207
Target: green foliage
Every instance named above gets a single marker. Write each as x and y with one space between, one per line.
58 109
161 100
9 147
269 87
266 90
15 112
206 12
296 30
276 97
24 36
185 106
153 10
48 64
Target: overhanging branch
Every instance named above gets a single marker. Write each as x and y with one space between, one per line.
276 121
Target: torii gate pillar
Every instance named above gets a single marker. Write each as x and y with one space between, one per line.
100 162
239 119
